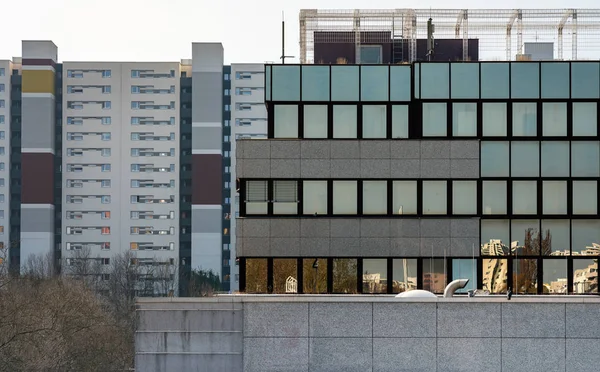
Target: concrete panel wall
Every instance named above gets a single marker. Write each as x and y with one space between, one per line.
369 333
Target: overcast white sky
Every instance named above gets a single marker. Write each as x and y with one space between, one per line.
163 30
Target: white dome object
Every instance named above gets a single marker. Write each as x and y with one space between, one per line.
416 293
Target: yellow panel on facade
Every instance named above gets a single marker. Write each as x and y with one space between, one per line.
38 81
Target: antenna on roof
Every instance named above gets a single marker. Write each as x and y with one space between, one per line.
283 56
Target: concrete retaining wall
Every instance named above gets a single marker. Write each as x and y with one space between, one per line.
368 333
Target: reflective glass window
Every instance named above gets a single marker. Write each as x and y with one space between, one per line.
400 83
464 197
585 272
286 83
374 121
404 275
374 197
314 274
585 118
525 237
268 83
495 238
524 197
525 275
465 269
315 121
556 237
285 121
256 275
404 197
344 197
435 80
315 83
525 80
525 157
464 119
585 197
344 83
585 80
417 67
435 119
554 119
282 270
257 200
285 197
400 121
585 237
555 159
434 274
314 195
585 159
494 159
374 83
524 119
465 80
555 80
345 276
554 194
374 276
495 275
494 197
344 121
494 119
495 80
435 197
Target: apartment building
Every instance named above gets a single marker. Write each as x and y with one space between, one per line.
5 145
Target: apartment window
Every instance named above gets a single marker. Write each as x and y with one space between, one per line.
105 183
400 121
404 197
2 103
105 152
106 120
464 197
524 119
135 183
2 150
2 166
314 197
135 89
1 229
227 107
585 118
435 197
374 197
285 197
374 121
106 73
2 119
226 77
1 198
494 119
2 217
106 105
2 71
135 73
464 119
243 75
105 167
106 215
106 136
106 230
105 199
345 121
2 88
2 134
135 105
315 121
2 182
435 117
554 119
256 197
227 92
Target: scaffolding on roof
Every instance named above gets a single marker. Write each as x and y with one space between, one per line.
502 33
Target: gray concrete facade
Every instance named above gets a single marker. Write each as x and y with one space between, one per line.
368 333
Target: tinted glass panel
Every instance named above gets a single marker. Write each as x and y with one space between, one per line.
282 270
585 159
556 237
315 83
434 275
585 237
585 80
494 159
585 118
525 237
256 275
554 194
374 83
465 80
314 273
435 120
465 269
584 276
495 238
344 197
315 121
374 276
344 83
524 119
435 197
524 197
494 80
345 278
555 80
554 119
400 83
435 80
495 275
344 121
464 119
494 119
374 121
286 121
400 121
375 197
286 83
268 83
525 80
314 197
417 67
464 197
525 159
585 197
405 197
555 159
494 197
555 276
404 275
525 276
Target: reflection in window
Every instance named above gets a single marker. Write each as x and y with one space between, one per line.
585 276
400 83
495 238
585 118
434 197
286 121
314 197
465 269
464 197
345 275
555 159
554 195
525 81
585 197
585 237
256 275
556 238
405 275
524 119
344 83
315 121
494 119
286 83
434 80
494 197
525 275
374 121
525 237
374 83
400 121
435 119
285 271
374 197
285 197
465 80
494 80
344 121
585 159
315 83
555 80
464 119
524 197
494 159
434 274
404 197
344 197
554 115
256 197
585 80
374 276
525 159
495 275
314 275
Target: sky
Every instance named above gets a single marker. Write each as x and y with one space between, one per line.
158 30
